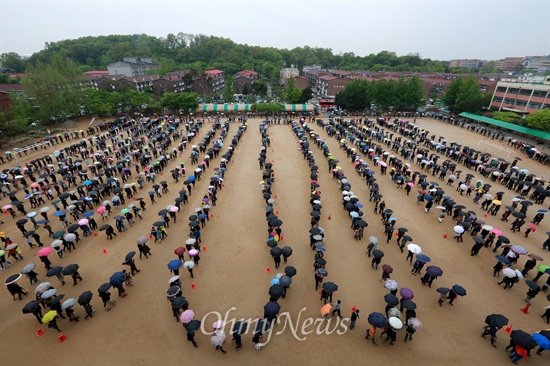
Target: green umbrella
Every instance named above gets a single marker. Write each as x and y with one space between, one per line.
58 234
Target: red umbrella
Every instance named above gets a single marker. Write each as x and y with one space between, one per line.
179 250
387 268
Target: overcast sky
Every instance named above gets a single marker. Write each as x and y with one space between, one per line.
437 29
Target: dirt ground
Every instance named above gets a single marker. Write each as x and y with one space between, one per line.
140 329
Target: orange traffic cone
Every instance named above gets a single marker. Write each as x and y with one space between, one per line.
282 238
319 292
39 331
508 329
275 196
193 286
211 215
134 198
267 269
104 251
525 310
62 338
485 215
95 233
204 248
445 236
329 218
396 234
276 212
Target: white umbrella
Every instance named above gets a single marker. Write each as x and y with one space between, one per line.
415 248
57 244
458 229
487 227
68 303
414 323
190 241
173 278
41 287
49 293
218 337
70 237
395 323
189 264
509 272
373 239
44 209
391 285
519 274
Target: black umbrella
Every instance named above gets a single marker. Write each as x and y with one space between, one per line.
179 302
496 320
391 300
276 291
434 271
193 218
362 223
290 271
315 231
104 227
519 215
330 287
315 214
21 222
377 320
478 239
321 261
272 308
408 304
271 217
276 251
85 297
28 233
262 326
73 228
70 269
56 299
191 224
271 243
377 253
403 230
129 256
275 223
163 212
504 239
193 326
287 250
54 271
31 307
523 339
459 290
104 288
239 328
532 285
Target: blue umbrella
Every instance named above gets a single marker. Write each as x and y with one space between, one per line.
502 259
358 205
392 218
424 184
27 196
41 222
150 192
110 180
423 258
428 197
203 216
87 182
192 178
117 279
377 319
60 213
447 197
174 264
275 281
542 341
272 308
88 214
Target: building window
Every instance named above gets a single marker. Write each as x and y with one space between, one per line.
535 105
540 93
513 90
525 91
497 99
501 89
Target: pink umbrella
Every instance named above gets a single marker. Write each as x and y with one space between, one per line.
497 232
187 316
410 184
83 222
44 251
383 164
193 252
174 209
7 207
100 209
532 227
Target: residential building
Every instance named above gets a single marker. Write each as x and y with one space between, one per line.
244 78
176 75
300 82
343 74
312 76
6 90
249 74
328 86
467 64
165 85
520 97
133 66
288 72
212 82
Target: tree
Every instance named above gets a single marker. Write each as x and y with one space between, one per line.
451 96
357 95
259 88
13 61
228 91
97 102
292 92
186 102
470 98
509 117
539 120
55 88
307 94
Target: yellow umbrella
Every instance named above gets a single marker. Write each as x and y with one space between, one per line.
497 202
49 316
338 167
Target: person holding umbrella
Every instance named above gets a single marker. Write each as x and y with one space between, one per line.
106 297
35 309
529 265
51 319
14 288
131 263
534 290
